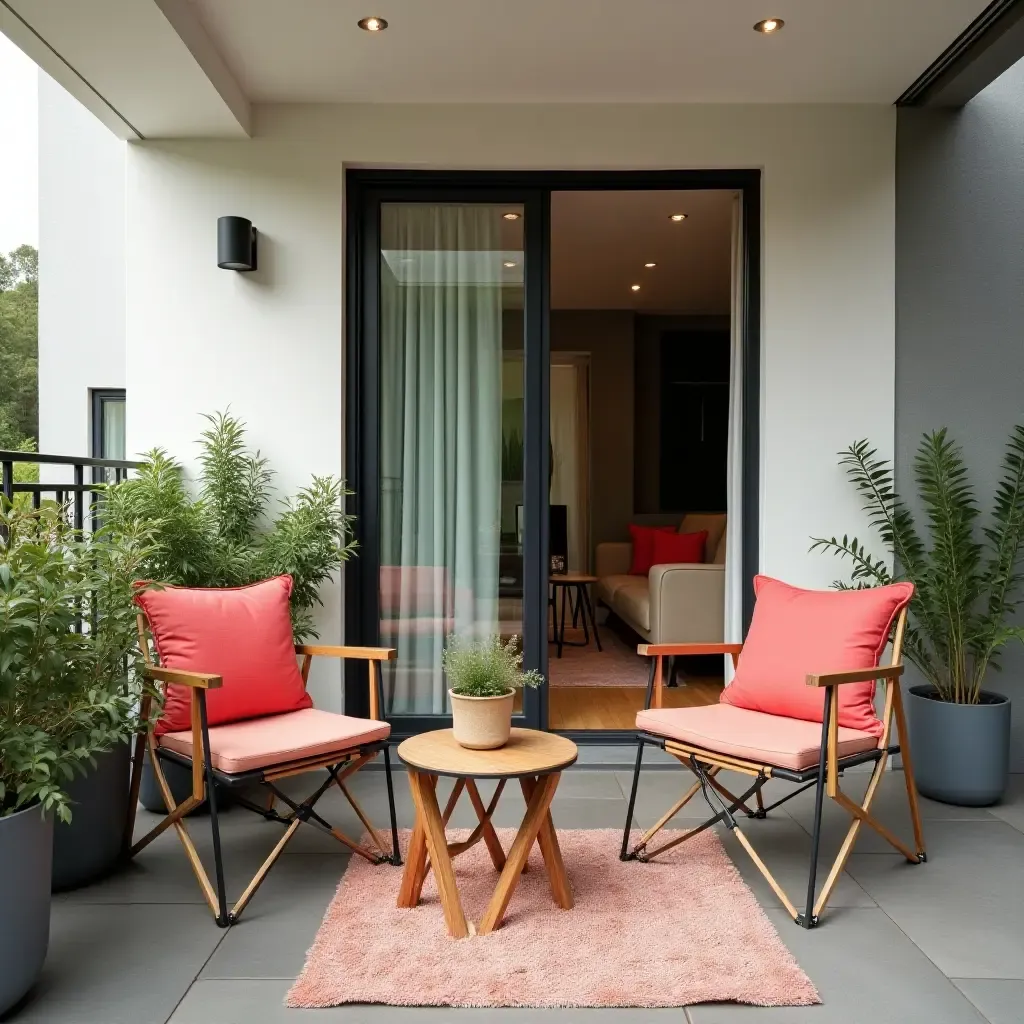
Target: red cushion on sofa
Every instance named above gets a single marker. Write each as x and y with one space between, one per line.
243 634
795 633
643 547
679 547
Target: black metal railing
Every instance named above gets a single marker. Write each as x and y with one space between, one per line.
71 494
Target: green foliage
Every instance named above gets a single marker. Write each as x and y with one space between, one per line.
966 580
19 330
69 685
485 668
223 537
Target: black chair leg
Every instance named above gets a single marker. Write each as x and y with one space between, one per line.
223 917
396 852
807 918
624 853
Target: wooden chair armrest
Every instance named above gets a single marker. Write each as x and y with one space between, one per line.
671 650
199 680
856 675
334 651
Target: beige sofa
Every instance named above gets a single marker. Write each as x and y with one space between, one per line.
678 603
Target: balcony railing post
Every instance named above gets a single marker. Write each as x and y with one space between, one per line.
8 479
79 498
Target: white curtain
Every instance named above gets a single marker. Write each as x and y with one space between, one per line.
440 455
734 499
569 476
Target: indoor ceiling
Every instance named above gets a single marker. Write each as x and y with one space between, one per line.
625 51
600 242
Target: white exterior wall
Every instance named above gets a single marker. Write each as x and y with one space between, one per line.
81 268
270 344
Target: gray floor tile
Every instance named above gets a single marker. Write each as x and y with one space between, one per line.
120 964
999 1000
262 1002
965 906
278 927
865 969
1011 810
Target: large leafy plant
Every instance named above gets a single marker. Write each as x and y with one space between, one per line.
68 652
966 572
222 535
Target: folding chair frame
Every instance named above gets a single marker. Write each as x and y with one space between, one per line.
206 780
823 777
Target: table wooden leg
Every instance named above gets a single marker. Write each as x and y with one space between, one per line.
547 839
490 836
429 813
416 856
536 811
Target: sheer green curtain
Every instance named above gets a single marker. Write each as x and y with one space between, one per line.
440 401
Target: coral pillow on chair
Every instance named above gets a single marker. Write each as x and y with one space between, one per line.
679 547
796 632
243 634
643 547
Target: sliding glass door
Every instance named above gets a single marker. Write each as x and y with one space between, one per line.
450 461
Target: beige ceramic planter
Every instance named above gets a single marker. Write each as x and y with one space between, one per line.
482 723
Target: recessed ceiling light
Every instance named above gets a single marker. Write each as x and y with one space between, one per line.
509 263
635 287
769 25
372 24
649 265
677 217
511 216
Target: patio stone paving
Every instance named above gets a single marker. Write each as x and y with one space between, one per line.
940 944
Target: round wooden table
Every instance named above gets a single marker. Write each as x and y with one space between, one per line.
536 759
567 582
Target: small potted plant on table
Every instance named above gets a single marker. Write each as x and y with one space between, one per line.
484 676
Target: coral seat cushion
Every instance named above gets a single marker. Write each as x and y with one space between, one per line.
795 633
672 548
243 634
643 547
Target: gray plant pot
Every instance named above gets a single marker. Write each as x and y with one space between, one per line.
179 778
88 847
26 849
960 752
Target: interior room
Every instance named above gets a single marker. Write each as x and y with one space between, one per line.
641 301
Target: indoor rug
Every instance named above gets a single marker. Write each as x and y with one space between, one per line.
683 930
617 664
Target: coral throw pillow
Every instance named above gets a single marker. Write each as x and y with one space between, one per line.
679 547
643 547
795 633
243 634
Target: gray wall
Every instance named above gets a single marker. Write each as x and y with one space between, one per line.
960 294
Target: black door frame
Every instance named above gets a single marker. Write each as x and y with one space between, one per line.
365 190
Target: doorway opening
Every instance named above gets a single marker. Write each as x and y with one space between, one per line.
517 409
641 310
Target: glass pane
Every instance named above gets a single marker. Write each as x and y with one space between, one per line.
113 428
451 431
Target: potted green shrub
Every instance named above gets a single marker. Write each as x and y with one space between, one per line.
220 532
68 692
967 579
483 677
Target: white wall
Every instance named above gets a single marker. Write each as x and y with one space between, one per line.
270 343
81 267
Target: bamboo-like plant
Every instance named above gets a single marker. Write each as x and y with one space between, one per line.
967 581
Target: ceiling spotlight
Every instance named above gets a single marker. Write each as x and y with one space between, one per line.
769 25
677 217
373 24
509 263
649 265
511 216
635 287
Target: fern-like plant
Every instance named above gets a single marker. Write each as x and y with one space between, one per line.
222 535
966 574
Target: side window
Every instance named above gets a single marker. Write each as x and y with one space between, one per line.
108 426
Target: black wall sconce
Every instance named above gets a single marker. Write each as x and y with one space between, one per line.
236 244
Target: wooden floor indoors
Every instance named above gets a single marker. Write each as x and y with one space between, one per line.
615 707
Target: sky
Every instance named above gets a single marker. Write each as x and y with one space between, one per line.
19 148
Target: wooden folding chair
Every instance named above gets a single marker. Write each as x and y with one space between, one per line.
358 742
705 763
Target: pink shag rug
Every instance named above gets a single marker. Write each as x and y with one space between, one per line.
671 933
